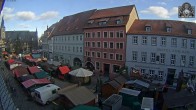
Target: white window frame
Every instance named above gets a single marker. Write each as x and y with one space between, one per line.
163 41
191 61
135 40
183 60
192 44
94 54
134 55
174 42
94 45
153 41
144 40
99 34
173 59
113 34
113 45
143 56
104 33
97 44
153 57
189 31
106 55
110 57
96 65
97 55
184 43
148 28
162 58
121 31
119 57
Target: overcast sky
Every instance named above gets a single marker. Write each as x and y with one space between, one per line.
32 14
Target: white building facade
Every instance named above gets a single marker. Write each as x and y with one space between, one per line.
161 56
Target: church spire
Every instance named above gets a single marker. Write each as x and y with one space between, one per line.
2 23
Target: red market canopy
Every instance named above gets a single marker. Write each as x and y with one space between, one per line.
32 82
33 69
19 71
10 61
64 70
4 52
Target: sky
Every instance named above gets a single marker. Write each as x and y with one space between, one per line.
32 14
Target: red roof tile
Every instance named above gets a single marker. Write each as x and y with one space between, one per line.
32 82
113 12
33 69
179 28
64 70
72 24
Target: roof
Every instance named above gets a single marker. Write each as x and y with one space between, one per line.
114 84
33 69
75 96
178 99
64 69
32 82
112 12
120 79
179 28
19 71
72 24
24 35
25 77
112 100
81 72
41 74
10 61
147 103
130 91
54 63
141 83
46 88
85 107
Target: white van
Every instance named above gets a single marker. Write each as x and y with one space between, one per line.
46 93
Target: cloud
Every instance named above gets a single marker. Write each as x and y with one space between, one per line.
187 20
7 10
160 11
23 25
8 13
48 15
162 3
26 15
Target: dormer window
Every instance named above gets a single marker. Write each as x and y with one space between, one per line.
189 31
119 21
102 23
148 28
168 29
90 21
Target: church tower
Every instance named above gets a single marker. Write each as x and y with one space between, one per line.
2 35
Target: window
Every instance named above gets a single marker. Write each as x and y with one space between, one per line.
144 40
111 34
144 56
183 60
173 59
143 71
121 34
174 42
93 54
184 43
119 45
191 61
163 41
80 37
105 45
116 68
68 38
117 34
119 21
105 34
73 49
119 57
152 72
80 49
98 34
162 58
111 56
111 45
93 44
68 48
153 41
89 54
65 48
73 38
97 65
102 23
86 44
98 54
86 53
105 55
148 28
99 44
192 44
134 56
93 34
160 76
135 39
153 58
189 31
169 29
77 38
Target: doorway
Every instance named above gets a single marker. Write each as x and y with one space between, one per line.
170 76
106 69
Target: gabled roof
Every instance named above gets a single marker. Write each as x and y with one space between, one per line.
114 84
112 12
120 79
179 28
72 24
77 95
130 91
32 82
33 69
64 69
19 71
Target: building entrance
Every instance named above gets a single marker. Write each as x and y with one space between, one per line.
170 76
106 69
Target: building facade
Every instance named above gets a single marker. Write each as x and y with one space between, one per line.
68 39
161 49
105 38
2 36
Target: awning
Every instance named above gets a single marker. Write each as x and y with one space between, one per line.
10 61
33 69
19 71
41 74
81 73
32 82
64 70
